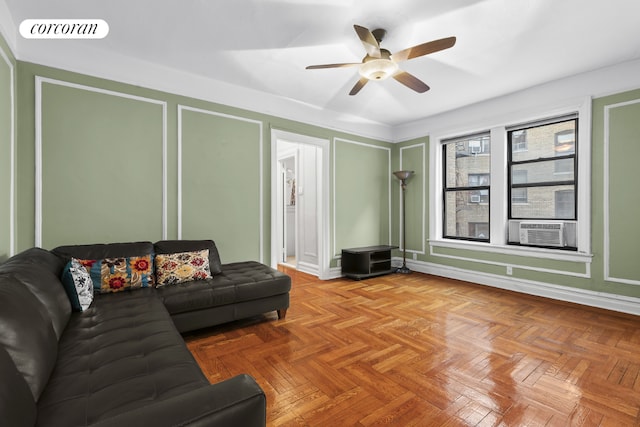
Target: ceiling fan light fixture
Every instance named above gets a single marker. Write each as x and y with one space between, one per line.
378 69
380 63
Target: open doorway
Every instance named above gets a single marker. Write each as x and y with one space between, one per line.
300 202
287 167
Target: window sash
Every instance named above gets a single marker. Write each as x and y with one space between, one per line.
564 177
475 197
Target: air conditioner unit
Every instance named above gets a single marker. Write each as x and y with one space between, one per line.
475 147
542 233
475 198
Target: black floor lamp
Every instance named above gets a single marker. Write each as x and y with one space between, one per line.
403 176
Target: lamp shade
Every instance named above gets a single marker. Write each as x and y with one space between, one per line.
402 175
378 69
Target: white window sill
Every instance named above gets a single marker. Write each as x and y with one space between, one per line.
556 254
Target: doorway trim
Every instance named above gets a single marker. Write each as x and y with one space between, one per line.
323 191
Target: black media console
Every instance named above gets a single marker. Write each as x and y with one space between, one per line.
370 261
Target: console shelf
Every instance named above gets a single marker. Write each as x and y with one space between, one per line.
369 261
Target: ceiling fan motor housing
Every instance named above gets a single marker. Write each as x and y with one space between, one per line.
379 34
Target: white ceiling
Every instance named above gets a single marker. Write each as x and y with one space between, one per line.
264 45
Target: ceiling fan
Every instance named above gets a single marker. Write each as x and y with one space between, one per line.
379 63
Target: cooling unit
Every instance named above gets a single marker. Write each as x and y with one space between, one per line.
542 233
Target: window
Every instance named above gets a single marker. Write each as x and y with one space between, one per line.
519 195
565 143
479 145
565 204
536 171
476 180
467 179
479 230
542 180
519 142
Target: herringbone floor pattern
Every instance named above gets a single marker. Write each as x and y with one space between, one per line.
417 350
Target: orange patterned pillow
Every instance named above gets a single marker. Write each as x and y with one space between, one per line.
182 267
119 274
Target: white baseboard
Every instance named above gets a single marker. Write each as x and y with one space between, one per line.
604 300
335 273
621 303
311 269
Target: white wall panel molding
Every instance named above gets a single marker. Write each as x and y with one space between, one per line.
335 252
608 276
39 82
586 265
181 110
12 154
423 231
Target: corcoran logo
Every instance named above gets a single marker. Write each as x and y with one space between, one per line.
64 29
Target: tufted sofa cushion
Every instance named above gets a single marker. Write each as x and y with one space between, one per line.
104 250
237 282
26 333
121 354
35 257
17 407
39 270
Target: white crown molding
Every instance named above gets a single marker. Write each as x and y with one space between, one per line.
113 66
551 95
8 28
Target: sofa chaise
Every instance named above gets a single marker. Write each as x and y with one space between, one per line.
121 361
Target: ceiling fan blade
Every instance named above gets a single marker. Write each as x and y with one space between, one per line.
359 85
411 81
424 49
344 65
368 41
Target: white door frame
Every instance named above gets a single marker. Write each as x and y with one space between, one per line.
323 197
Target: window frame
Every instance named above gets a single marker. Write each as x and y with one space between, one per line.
480 136
497 122
511 163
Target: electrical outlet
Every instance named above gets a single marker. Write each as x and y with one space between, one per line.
509 270
339 262
415 256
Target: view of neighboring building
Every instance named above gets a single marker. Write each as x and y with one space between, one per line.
541 165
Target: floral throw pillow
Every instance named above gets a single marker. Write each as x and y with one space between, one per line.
119 274
182 267
78 285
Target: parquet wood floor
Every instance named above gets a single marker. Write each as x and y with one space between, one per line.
418 350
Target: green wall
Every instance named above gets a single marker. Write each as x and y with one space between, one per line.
221 182
362 195
122 163
622 145
614 268
116 156
7 130
101 166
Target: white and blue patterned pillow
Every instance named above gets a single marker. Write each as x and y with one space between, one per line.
78 285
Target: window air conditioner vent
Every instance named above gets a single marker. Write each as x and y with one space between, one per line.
475 198
475 147
542 233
